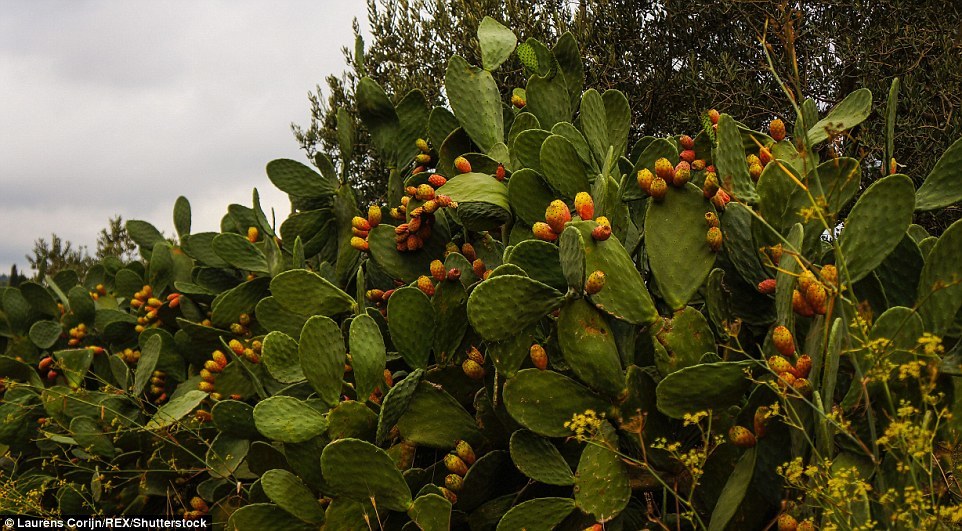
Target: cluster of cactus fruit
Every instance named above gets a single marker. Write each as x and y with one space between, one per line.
538 330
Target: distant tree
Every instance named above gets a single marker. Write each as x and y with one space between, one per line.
15 277
113 240
673 60
49 258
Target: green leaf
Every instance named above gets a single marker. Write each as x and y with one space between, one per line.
291 494
225 455
734 492
149 356
850 112
411 321
368 355
395 403
497 43
359 471
75 364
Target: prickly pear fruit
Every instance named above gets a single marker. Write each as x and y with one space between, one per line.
462 165
658 189
803 386
817 298
829 274
465 452
454 273
767 286
499 172
374 295
454 482
455 465
422 159
755 171
687 155
741 437
543 231
556 215
199 504
422 145
438 271
360 233
424 192
425 285
584 206
711 219
714 239
682 174
645 177
776 129
437 180
468 251
779 365
472 369
359 243
478 267
253 234
720 199
786 379
800 305
803 366
475 354
601 232
710 186
783 341
698 164
517 101
761 421
664 169
686 142
806 525
449 494
539 357
806 279
595 282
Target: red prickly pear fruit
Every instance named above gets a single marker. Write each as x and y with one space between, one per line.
806 279
454 273
472 369
445 201
455 465
687 155
720 199
783 340
682 174
449 494
779 365
761 421
755 171
803 366
360 223
360 244
714 239
713 115
767 286
437 180
438 271
543 231
595 282
776 129
893 166
422 145
478 267
45 363
422 159
698 164
374 295
454 482
424 192
499 172
711 219
462 165
539 357
486 275
800 305
414 242
658 189
786 522
817 298
468 251
411 191
741 437
786 379
601 232
664 169
425 285
686 142
475 354
711 168
584 206
710 187
556 215
764 156
517 101
645 177
465 452
829 274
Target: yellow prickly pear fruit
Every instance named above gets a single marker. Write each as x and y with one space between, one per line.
776 129
360 223
253 234
539 357
517 101
806 279
803 386
783 340
475 354
755 171
741 437
472 369
710 186
438 271
681 175
779 365
462 165
645 177
374 215
424 192
422 159
760 421
422 145
829 274
206 387
658 189
360 244
714 239
664 169
556 215
425 285
450 495
455 465
465 452
584 206
454 482
595 282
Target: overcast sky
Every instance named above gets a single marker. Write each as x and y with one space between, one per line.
118 107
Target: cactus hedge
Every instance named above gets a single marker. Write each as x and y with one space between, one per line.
543 327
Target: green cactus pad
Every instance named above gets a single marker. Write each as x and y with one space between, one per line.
395 403
307 293
143 234
876 224
452 318
543 401
225 455
291 494
523 121
497 43
678 253
431 512
942 187
280 358
88 435
74 364
239 252
379 117
602 485
406 266
200 247
539 459
849 112
739 244
242 299
785 280
351 419
939 286
540 261
435 419
899 273
900 325
482 200
571 251
441 123
568 55
413 114
526 150
736 488
508 269
589 348
529 195
578 141
504 305
475 100
368 355
548 99
539 514
176 409
259 516
236 418
149 355
322 355
411 321
562 167
299 180
686 339
594 123
730 160
702 387
44 334
287 419
780 198
360 471
625 296
81 304
509 355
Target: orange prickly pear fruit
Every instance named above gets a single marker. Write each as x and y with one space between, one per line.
687 155
465 452
595 282
806 525
664 169
253 234
711 219
584 206
720 199
714 239
714 115
543 231
803 366
601 232
755 171
437 180
817 298
438 271
658 189
219 358
698 164
455 465
779 365
829 274
359 243
478 267
803 386
424 192
783 341
761 421
462 165
206 387
710 186
741 437
360 223
360 233
767 286
449 494
468 251
893 166
430 206
681 175
475 354
686 142
786 379
472 369
800 305
422 145
806 279
499 172
556 215
425 285
517 101
786 522
411 191
539 357
414 242
776 253
776 129
764 156
454 482
645 177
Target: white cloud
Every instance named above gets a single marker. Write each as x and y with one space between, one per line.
119 107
